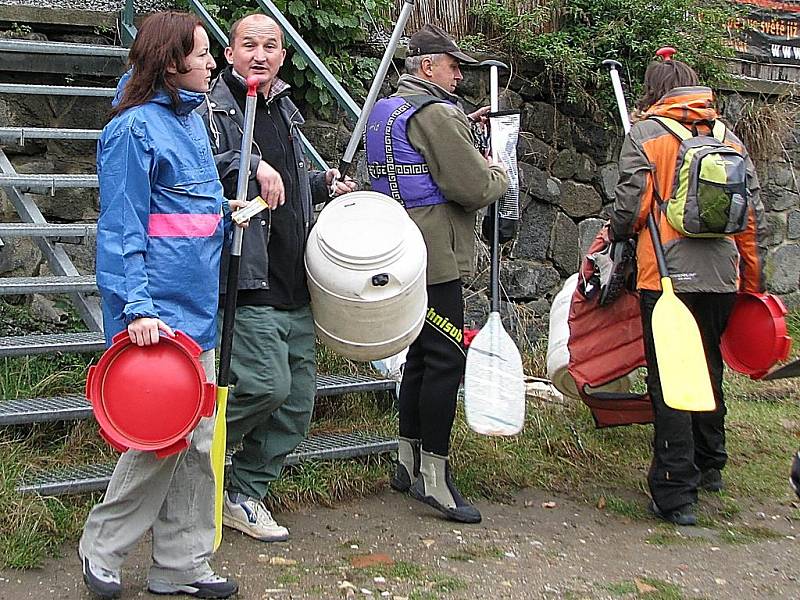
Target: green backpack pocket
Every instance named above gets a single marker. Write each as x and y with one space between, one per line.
709 194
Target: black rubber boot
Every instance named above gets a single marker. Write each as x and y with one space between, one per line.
711 480
407 469
794 479
435 488
683 515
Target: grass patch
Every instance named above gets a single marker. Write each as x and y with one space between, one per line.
287 578
662 590
468 553
621 588
667 535
747 534
625 508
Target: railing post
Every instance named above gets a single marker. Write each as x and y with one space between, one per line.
127 30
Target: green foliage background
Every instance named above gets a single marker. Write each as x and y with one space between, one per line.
569 39
332 28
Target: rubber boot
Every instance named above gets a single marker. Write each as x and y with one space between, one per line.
794 479
407 469
435 487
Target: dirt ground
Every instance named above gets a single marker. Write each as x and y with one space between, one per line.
536 546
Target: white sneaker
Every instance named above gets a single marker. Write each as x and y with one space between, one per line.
250 516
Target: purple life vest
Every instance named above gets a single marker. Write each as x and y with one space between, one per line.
394 165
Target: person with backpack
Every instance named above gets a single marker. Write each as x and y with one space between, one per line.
683 165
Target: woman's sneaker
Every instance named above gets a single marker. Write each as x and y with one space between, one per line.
103 583
250 516
212 586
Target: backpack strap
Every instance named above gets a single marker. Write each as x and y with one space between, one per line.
680 131
719 130
674 127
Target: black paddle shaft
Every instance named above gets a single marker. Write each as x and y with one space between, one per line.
232 282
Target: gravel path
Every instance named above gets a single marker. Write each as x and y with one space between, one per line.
536 547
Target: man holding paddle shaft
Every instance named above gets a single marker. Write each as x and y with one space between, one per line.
273 366
420 152
689 447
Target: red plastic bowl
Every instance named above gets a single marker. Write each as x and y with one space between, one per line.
150 397
755 338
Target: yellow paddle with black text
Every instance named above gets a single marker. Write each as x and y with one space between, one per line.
229 314
682 366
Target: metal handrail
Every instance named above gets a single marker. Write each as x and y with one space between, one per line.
295 39
127 30
222 38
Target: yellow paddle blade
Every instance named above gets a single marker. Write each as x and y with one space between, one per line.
682 365
218 461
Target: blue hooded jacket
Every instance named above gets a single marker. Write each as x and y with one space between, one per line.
160 230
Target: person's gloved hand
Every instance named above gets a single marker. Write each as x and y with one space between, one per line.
508 228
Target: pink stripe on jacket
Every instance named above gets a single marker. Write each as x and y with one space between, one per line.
182 225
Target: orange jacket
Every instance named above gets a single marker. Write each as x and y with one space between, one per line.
649 154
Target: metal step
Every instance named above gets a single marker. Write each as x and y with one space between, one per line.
38 47
334 385
319 446
48 182
56 90
10 286
22 411
22 134
50 230
25 345
74 407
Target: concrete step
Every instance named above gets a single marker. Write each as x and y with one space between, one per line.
318 446
10 286
64 58
74 407
25 345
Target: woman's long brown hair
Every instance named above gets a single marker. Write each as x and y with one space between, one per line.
164 40
661 77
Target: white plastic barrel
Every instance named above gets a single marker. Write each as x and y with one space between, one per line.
558 349
365 260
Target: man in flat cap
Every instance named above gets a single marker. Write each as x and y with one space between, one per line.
420 152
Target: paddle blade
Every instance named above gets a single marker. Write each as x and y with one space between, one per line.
682 365
218 460
494 384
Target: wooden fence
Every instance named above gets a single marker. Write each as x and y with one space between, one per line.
455 16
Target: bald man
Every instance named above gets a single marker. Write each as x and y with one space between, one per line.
273 369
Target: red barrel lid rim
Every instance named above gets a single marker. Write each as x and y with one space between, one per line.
756 337
175 372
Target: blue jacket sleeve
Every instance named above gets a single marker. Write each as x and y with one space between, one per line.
125 185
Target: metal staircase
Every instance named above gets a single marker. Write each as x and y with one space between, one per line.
50 238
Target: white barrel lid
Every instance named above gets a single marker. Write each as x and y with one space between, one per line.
362 228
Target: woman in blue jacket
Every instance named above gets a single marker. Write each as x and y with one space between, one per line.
159 239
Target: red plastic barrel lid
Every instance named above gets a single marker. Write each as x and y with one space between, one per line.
755 338
150 397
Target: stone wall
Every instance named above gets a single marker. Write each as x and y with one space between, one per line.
567 174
